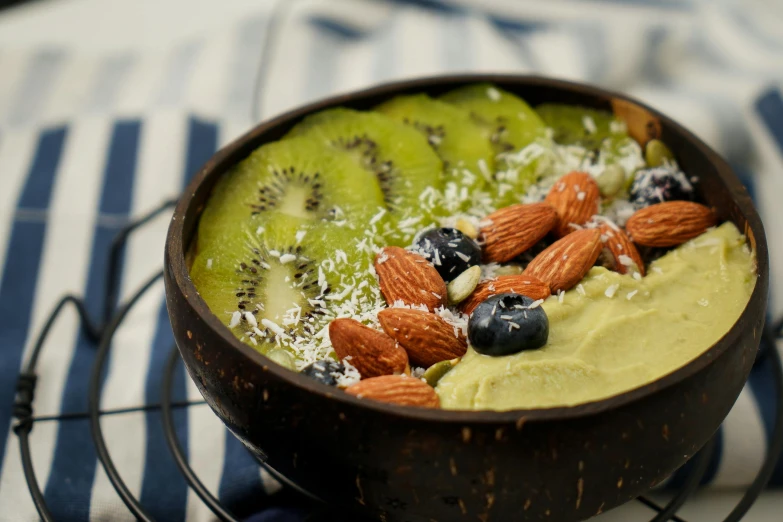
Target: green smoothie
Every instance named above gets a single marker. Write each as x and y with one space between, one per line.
614 332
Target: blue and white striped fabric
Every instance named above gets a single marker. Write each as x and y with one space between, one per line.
88 142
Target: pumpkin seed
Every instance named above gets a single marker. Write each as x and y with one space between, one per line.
656 153
435 372
464 284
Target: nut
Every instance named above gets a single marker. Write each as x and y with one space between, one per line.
463 285
532 287
624 252
575 197
670 223
410 278
371 352
467 228
396 389
566 261
427 337
512 230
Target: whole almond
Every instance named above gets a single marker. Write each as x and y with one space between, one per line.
623 250
566 261
575 197
670 223
512 230
396 389
516 284
427 337
410 278
373 353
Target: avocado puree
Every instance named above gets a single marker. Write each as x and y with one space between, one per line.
606 339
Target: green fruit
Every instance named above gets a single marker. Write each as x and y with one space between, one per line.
468 158
507 121
397 156
283 358
270 291
656 153
576 125
308 182
516 132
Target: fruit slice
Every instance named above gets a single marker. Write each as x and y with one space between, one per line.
468 158
303 180
398 156
577 125
516 133
270 291
508 122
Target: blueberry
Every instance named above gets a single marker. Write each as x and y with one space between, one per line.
659 184
323 371
506 324
451 251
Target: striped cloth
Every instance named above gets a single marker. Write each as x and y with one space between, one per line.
87 142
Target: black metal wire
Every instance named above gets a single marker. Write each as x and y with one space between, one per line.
25 394
700 464
26 382
176 449
770 337
115 257
95 399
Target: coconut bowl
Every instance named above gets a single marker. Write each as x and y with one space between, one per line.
397 463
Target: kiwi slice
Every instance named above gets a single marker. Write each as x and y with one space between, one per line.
603 135
273 293
577 125
518 137
398 156
468 158
508 122
301 179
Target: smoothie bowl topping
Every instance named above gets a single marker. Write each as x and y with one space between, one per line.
470 252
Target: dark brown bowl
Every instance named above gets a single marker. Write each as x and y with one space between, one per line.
411 464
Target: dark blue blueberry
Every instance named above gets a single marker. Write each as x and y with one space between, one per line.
506 324
659 184
451 251
322 371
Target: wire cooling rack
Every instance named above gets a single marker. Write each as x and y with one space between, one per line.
101 332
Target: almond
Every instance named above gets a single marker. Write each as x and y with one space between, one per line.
410 278
512 230
575 198
427 337
373 353
516 284
396 389
566 261
623 250
670 223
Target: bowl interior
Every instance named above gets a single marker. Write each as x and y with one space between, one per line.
718 187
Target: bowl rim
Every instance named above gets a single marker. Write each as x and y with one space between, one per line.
175 256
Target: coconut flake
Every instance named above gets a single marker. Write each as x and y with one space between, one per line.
235 318
251 319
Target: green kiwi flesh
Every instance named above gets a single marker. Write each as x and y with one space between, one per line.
508 122
577 125
468 157
269 289
398 156
304 180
